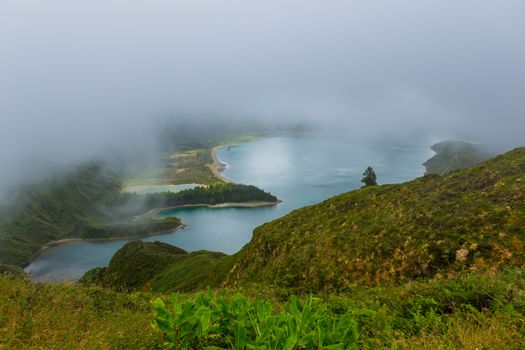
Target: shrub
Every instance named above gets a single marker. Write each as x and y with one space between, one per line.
219 322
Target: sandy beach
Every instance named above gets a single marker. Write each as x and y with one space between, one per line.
216 165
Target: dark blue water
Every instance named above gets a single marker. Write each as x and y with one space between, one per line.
299 169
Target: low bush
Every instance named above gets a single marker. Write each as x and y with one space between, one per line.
218 322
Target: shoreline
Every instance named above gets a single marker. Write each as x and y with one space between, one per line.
259 204
217 164
150 214
139 189
62 241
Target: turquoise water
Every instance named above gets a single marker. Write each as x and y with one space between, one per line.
299 169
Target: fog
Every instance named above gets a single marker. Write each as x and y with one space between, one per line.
80 79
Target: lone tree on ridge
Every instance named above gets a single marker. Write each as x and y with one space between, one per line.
369 177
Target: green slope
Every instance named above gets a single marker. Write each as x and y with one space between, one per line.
154 265
470 219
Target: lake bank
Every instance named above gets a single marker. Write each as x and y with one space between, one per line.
216 167
158 211
158 188
65 241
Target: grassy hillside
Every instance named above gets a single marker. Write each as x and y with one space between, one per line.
469 220
36 316
470 312
154 266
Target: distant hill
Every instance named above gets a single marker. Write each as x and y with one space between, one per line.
454 155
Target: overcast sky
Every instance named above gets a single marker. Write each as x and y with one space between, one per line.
77 77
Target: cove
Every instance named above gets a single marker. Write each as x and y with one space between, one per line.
300 169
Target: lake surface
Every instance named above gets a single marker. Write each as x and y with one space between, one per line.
299 169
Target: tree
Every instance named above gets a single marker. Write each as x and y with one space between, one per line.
369 177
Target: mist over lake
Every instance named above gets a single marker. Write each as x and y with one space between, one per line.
300 169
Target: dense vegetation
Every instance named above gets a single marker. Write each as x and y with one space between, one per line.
469 312
212 194
469 220
210 322
454 155
85 203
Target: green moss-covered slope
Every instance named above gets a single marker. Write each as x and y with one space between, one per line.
133 265
470 219
155 266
